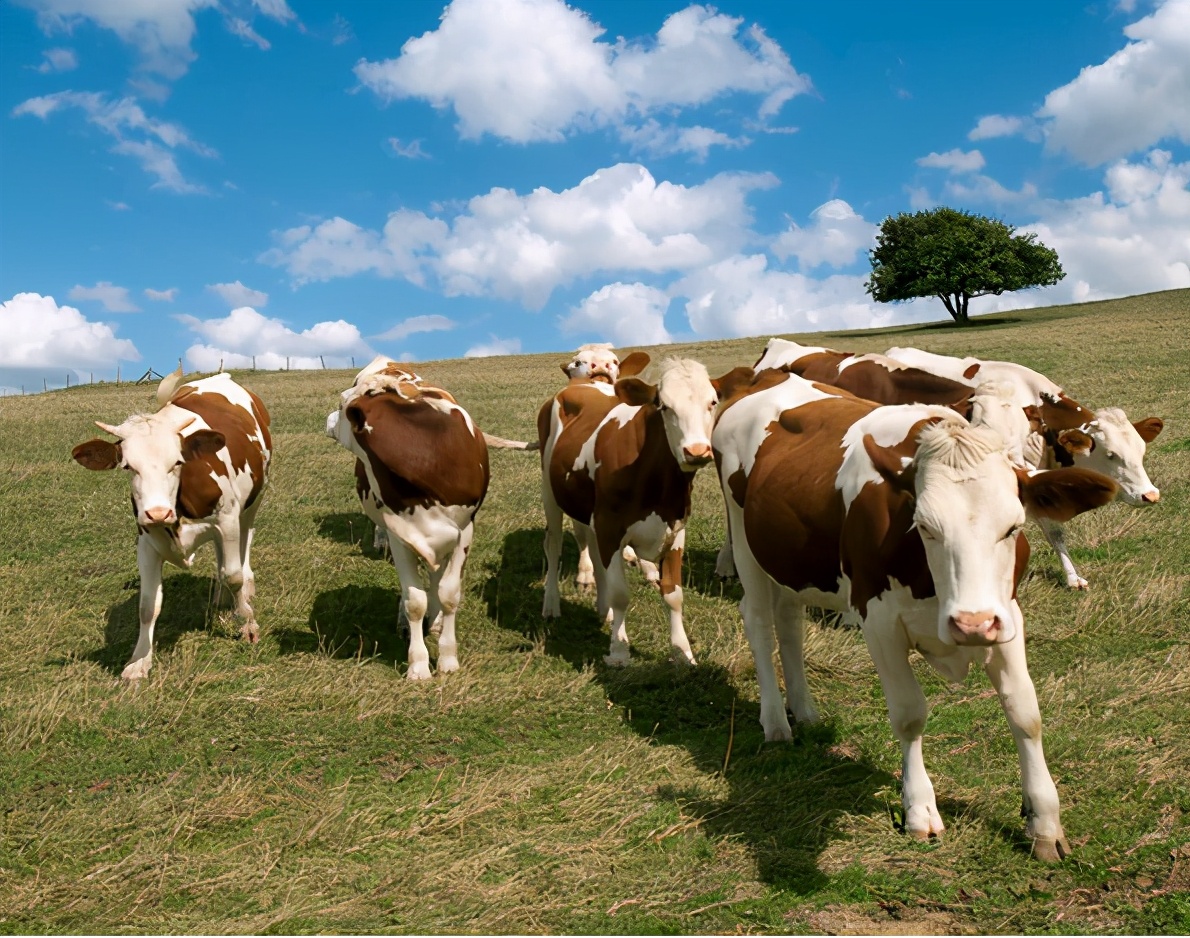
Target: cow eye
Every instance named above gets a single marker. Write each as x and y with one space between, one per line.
926 533
1013 531
178 463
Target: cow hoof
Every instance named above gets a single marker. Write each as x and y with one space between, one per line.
250 633
447 665
924 823
551 608
136 670
683 658
1051 849
807 714
1078 583
418 672
617 660
778 734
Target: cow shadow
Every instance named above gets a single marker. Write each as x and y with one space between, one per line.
187 605
350 622
353 528
783 800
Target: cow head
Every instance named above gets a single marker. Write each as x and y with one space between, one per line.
1110 444
596 360
994 405
153 450
685 397
969 509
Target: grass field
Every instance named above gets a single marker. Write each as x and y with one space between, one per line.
303 785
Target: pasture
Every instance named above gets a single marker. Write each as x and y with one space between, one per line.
303 785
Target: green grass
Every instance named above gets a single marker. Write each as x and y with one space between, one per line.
303 785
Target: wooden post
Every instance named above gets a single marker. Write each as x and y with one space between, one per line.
321 359
44 386
352 361
287 363
117 375
253 362
221 366
92 377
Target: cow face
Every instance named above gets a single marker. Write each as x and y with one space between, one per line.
153 450
594 361
1111 445
685 398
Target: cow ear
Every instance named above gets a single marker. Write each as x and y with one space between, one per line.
1060 494
566 366
1076 442
1149 428
97 455
1036 424
356 417
888 462
726 385
635 392
202 443
634 364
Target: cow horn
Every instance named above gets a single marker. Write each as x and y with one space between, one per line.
168 386
108 428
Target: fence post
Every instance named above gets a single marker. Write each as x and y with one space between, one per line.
117 375
287 363
92 377
253 362
68 379
352 361
321 359
44 386
221 366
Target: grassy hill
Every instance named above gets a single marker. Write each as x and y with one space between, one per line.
304 785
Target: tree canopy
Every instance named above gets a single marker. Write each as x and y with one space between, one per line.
956 256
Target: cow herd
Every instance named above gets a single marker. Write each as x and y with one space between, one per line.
892 488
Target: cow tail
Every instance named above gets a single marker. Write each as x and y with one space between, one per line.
498 442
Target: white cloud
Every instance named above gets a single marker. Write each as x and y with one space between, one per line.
1135 99
242 28
657 140
529 70
524 247
414 325
58 60
495 346
114 299
998 125
236 294
148 140
985 189
118 206
244 333
954 161
835 236
411 150
623 314
38 333
275 9
161 296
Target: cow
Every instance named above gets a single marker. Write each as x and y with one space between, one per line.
421 473
908 520
620 460
198 466
594 360
1069 434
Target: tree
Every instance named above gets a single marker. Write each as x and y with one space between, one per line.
955 256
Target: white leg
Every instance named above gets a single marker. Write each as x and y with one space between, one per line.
614 588
148 563
724 561
551 605
248 589
1008 671
670 582
788 618
907 712
450 595
586 569
1056 536
235 577
413 599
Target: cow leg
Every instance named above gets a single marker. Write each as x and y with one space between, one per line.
414 602
671 592
907 713
248 589
235 575
614 589
551 605
1008 671
223 595
148 563
724 562
450 595
586 569
788 618
757 610
1057 538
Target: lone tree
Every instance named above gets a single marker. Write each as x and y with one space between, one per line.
955 256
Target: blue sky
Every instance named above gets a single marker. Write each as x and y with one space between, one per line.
222 179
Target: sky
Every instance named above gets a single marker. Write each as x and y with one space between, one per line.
298 183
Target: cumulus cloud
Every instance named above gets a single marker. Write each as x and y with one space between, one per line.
495 346
991 126
244 334
58 60
150 141
161 296
38 334
657 140
529 70
236 294
835 236
954 161
1135 99
623 314
414 325
114 299
524 247
985 189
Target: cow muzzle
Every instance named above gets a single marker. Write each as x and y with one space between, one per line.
159 516
975 628
1151 497
697 455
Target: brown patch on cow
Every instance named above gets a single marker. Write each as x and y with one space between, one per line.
737 484
971 371
671 571
1063 413
793 513
1149 428
1022 561
198 493
419 455
1060 494
874 381
581 408
879 543
635 392
97 455
634 364
768 378
1076 442
733 382
363 488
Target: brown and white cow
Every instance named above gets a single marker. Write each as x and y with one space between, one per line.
421 471
1069 434
620 461
198 467
907 519
594 360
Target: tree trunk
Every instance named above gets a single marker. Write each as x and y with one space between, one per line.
949 305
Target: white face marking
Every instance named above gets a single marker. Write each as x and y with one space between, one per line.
687 400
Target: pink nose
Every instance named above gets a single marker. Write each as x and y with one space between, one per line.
699 453
1151 498
974 628
160 515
